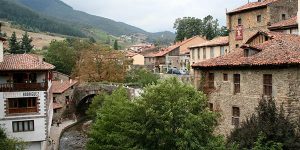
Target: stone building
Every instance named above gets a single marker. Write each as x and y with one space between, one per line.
237 81
63 92
25 98
246 20
289 26
216 47
174 56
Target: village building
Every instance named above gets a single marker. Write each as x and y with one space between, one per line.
141 47
174 56
25 98
137 58
216 47
236 82
246 20
289 26
63 93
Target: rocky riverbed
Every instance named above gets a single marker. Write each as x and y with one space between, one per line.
75 138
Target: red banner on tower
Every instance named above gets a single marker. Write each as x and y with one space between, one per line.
239 33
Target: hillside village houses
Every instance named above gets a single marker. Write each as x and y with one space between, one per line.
259 64
25 98
137 58
174 56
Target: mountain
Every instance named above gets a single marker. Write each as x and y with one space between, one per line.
32 21
60 11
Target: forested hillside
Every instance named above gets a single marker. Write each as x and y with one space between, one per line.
62 12
32 21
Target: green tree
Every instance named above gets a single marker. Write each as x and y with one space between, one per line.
62 56
96 104
142 77
26 46
168 115
208 27
270 122
10 144
14 45
116 46
92 40
187 27
262 144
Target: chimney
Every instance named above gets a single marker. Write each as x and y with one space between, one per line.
1 51
298 15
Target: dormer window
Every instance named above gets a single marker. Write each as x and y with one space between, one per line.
249 52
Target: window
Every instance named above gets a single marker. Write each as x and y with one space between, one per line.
222 51
225 77
236 116
240 21
211 80
267 84
258 18
23 126
211 106
212 54
204 53
55 111
199 53
193 54
283 16
237 45
237 83
54 99
22 105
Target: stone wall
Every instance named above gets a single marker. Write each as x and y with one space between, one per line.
285 86
61 99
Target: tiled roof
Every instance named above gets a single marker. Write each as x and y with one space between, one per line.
214 42
2 39
170 48
57 106
285 23
283 49
252 5
24 62
59 87
130 53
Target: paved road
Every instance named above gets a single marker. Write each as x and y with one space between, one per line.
55 133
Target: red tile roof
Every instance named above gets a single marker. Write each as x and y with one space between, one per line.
170 48
24 62
252 5
282 49
57 106
218 41
59 87
2 39
292 22
130 53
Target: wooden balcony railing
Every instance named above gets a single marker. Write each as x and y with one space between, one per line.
10 87
22 110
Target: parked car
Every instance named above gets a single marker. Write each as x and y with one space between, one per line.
174 71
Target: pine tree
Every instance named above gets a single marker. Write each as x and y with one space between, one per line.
14 46
26 46
116 46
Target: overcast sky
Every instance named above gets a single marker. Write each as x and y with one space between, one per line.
155 15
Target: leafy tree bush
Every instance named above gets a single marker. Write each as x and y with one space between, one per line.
142 77
271 123
262 144
208 27
96 104
169 115
10 144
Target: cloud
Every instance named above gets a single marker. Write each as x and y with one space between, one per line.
155 15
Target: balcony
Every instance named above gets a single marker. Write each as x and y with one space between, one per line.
22 110
12 87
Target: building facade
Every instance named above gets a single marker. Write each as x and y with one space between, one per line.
289 26
246 20
25 98
216 47
235 83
